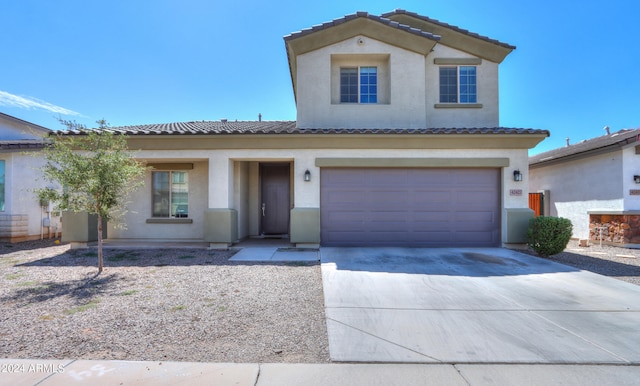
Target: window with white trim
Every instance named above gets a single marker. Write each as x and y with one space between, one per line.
458 84
359 84
170 194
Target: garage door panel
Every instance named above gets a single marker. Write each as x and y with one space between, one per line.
431 216
429 196
470 238
388 197
344 196
388 216
410 207
475 217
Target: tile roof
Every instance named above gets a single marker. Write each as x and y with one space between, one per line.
21 145
609 142
356 15
453 27
224 127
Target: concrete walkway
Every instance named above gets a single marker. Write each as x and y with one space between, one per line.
96 373
474 306
276 254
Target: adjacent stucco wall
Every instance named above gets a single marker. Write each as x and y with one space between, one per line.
16 130
22 215
630 167
582 185
22 177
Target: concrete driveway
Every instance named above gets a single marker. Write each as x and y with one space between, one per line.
484 305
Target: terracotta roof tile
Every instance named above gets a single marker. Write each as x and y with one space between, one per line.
21 145
289 127
358 14
453 27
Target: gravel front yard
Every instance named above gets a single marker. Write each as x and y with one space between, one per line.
618 263
159 305
184 305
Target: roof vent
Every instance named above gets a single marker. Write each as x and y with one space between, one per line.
259 117
223 120
606 128
567 139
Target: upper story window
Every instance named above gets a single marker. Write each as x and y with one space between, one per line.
359 84
458 84
170 194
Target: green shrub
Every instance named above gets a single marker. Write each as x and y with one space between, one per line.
549 235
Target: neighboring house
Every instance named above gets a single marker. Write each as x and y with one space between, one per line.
21 215
595 184
397 142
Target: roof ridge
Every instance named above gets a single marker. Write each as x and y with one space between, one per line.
361 14
290 127
400 11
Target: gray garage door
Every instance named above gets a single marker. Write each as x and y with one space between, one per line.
428 207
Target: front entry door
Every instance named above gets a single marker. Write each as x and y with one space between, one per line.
275 199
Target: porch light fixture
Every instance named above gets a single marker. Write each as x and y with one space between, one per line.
636 179
307 175
517 176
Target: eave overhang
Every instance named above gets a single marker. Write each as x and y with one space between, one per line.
455 37
335 141
358 24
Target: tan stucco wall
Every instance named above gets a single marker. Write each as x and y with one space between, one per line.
406 104
409 89
241 192
139 208
487 86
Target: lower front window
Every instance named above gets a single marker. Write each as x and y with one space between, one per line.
170 194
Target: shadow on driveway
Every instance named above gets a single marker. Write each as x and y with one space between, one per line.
476 262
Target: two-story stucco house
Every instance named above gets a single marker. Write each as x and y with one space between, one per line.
21 215
594 183
397 142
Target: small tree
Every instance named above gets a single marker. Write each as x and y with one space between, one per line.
96 170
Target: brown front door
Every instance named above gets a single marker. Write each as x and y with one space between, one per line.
275 199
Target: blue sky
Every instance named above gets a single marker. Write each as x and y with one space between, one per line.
573 72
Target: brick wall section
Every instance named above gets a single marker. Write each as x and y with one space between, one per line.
14 227
616 228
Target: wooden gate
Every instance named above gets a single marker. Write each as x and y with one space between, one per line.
536 203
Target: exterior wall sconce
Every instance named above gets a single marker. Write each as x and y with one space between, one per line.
517 176
636 179
307 175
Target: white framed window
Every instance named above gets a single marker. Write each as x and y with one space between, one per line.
458 84
170 194
359 84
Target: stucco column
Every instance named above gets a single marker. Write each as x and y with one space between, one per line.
306 193
305 216
220 181
220 220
